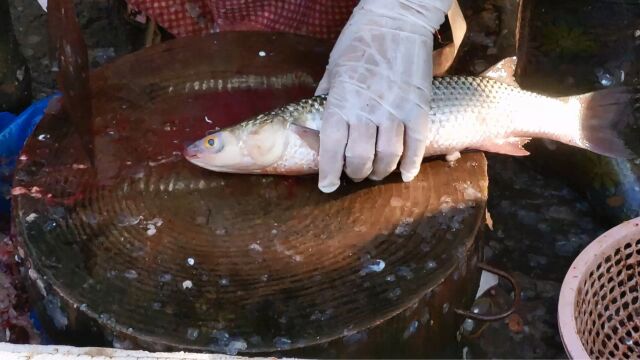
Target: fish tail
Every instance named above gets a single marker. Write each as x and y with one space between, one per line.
608 118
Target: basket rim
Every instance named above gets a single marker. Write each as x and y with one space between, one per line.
602 246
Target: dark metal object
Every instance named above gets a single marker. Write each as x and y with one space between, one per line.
514 305
68 52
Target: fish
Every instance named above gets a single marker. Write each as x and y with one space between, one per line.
489 112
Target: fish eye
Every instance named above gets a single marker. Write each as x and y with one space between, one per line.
213 142
210 142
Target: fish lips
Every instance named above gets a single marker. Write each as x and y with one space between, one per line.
191 152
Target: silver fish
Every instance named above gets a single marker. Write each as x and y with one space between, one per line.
487 113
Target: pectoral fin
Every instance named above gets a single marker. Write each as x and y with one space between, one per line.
309 136
508 146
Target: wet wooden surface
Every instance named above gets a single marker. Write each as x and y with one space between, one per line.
155 251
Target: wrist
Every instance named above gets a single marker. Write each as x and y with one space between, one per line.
415 16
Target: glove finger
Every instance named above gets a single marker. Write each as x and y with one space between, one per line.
324 85
333 139
388 149
415 134
360 149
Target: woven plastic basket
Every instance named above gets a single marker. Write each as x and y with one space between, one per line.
599 307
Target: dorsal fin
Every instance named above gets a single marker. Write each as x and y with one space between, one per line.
503 71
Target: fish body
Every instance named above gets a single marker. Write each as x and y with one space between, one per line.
466 113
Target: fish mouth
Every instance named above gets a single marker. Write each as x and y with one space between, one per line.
193 156
190 153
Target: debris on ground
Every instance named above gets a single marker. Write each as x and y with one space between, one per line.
15 324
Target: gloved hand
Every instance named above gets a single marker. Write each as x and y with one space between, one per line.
379 84
43 4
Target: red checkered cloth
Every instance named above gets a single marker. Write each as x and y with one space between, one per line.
318 18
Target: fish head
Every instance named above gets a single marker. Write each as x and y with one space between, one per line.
246 148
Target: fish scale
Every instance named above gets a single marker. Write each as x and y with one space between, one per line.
465 111
460 108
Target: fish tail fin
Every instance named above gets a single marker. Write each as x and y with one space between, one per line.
607 118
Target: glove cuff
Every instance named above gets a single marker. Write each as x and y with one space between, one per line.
425 15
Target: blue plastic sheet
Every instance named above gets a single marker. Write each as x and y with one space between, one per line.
14 132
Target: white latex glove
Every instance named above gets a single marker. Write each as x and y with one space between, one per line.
43 4
379 84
